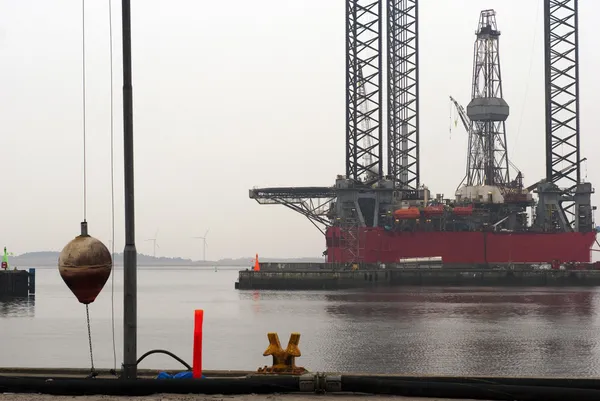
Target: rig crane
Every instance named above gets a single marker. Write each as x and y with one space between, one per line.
474 141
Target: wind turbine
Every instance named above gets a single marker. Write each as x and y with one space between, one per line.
155 245
204 245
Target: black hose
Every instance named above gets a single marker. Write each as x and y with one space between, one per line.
162 351
477 391
431 387
592 384
144 387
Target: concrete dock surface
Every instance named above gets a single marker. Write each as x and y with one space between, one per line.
199 397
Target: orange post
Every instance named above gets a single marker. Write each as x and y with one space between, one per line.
256 264
197 359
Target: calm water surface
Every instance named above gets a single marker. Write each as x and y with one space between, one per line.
495 331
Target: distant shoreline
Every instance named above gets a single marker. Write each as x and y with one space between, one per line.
43 259
144 266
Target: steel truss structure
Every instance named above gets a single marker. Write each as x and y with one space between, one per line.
403 93
312 202
563 161
364 105
488 155
350 233
364 93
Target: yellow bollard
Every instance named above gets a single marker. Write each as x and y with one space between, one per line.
284 361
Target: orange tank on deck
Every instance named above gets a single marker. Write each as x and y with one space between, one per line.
431 211
410 213
463 210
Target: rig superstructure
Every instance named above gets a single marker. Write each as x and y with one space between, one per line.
371 217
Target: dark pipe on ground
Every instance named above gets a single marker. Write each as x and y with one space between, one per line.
476 391
486 388
144 387
561 382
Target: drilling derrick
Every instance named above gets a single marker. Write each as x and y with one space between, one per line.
499 203
488 111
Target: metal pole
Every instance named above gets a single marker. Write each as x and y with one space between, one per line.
130 252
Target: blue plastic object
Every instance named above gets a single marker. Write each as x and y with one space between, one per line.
180 375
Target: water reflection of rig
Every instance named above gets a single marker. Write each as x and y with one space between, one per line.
493 219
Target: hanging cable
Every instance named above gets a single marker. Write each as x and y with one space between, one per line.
93 372
112 188
83 117
84 224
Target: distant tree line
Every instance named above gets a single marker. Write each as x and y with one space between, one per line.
32 259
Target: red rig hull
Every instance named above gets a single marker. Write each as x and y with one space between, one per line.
379 245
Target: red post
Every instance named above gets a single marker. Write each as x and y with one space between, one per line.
197 359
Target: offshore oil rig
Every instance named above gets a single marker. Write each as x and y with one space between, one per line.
372 217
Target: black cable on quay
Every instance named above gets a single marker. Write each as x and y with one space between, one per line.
162 351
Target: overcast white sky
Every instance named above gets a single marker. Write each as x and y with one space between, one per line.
234 94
